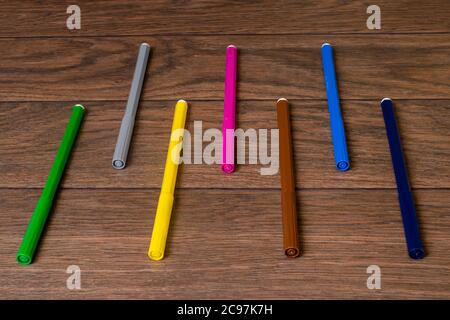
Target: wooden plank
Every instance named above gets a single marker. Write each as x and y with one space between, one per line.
62 69
32 131
232 247
31 18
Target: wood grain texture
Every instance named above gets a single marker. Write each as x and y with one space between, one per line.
32 132
227 249
105 18
225 241
368 67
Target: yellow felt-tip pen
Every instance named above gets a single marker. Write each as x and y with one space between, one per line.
165 202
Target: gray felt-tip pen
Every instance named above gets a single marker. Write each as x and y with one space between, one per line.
126 128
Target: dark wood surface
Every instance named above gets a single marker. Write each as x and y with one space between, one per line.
226 244
48 18
37 127
225 238
101 68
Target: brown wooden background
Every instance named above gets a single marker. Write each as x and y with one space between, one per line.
225 239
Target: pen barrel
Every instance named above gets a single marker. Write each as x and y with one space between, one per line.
64 150
407 208
287 176
161 226
38 219
172 162
336 121
229 115
411 226
175 147
127 125
290 238
123 142
34 230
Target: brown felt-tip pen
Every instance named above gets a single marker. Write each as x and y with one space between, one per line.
288 197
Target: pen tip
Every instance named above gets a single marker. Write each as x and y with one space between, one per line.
232 46
386 99
182 101
326 44
155 255
118 164
80 105
145 44
23 259
282 99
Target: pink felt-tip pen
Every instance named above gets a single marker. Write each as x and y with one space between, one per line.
229 110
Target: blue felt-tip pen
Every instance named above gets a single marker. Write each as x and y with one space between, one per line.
407 208
336 121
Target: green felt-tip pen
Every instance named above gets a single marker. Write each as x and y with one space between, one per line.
37 222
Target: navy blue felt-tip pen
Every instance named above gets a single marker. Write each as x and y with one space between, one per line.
407 208
336 121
